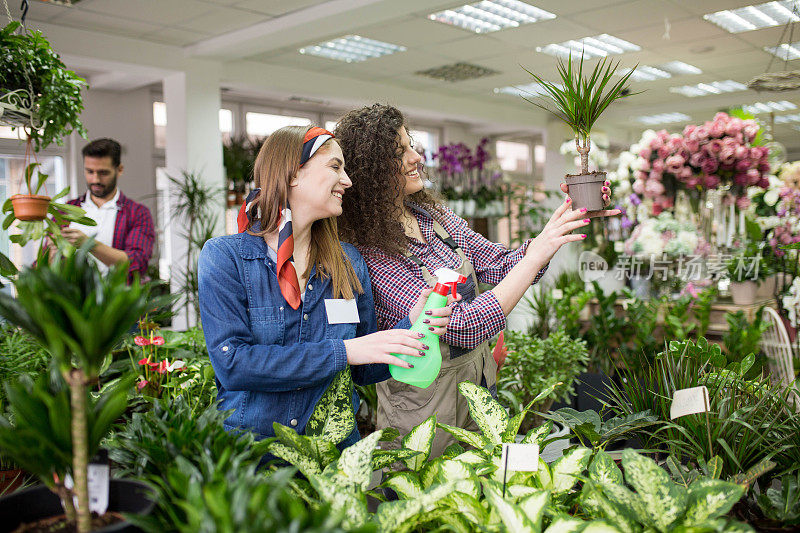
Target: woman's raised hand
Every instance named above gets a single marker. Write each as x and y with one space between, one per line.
606 202
436 319
557 232
379 347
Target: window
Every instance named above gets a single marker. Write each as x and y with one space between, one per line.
330 125
11 183
263 124
514 156
160 124
427 142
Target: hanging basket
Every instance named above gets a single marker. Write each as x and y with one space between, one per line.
17 110
776 81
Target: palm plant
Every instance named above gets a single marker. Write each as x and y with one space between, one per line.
580 100
78 315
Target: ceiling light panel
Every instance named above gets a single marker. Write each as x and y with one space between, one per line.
352 49
491 15
704 89
785 51
528 90
769 107
679 67
783 119
591 47
663 118
755 17
645 73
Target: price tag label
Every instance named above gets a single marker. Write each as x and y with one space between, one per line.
689 401
520 457
98 481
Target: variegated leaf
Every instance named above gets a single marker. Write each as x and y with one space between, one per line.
709 499
333 418
326 452
543 394
455 520
468 506
476 440
603 469
352 506
384 458
391 516
290 438
488 414
678 471
745 479
544 475
389 434
471 457
429 473
663 500
452 451
457 472
520 491
537 435
431 497
614 504
406 484
511 515
353 470
420 440
534 505
511 431
566 468
566 524
307 465
600 526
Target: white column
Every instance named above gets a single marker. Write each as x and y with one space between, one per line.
194 144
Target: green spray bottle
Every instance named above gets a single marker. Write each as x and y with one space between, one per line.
426 367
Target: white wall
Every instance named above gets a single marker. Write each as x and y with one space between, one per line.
126 117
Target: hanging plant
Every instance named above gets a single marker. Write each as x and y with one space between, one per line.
37 91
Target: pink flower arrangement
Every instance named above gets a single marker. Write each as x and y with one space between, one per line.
662 160
720 153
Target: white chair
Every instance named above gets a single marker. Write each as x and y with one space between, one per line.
778 348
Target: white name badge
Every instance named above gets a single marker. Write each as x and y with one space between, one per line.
520 457
689 401
341 311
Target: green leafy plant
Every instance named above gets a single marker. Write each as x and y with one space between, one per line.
744 338
647 500
594 432
30 64
534 364
78 315
580 100
239 156
782 505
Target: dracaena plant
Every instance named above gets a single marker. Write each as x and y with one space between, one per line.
580 99
78 315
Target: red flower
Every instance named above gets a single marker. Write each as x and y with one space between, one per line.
162 367
140 341
158 341
142 384
143 361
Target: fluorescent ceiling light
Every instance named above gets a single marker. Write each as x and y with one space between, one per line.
352 49
491 15
645 73
663 118
755 17
679 67
528 90
704 89
785 51
783 119
597 46
769 107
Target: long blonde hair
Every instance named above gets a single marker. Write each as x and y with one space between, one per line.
276 166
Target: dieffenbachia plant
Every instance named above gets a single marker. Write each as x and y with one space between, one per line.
646 499
591 430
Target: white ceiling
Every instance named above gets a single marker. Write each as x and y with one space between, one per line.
251 35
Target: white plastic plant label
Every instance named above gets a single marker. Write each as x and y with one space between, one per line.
689 401
98 481
520 457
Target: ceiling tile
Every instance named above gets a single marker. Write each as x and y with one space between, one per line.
294 59
561 8
105 23
613 18
156 12
222 20
475 47
414 33
542 33
41 11
175 37
276 7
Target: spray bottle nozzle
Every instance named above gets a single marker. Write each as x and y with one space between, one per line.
447 281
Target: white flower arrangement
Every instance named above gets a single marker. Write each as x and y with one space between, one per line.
664 235
791 302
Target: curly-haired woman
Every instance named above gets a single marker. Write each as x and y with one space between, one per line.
405 234
275 347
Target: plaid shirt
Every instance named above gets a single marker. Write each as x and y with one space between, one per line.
133 233
397 282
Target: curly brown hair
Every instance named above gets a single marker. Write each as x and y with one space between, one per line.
372 154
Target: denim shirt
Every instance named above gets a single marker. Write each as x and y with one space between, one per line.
272 362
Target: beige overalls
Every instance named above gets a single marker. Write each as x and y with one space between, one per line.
404 406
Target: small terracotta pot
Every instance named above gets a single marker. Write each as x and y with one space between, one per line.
744 293
30 207
586 190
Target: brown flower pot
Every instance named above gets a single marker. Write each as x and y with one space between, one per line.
11 480
766 288
586 190
744 293
30 207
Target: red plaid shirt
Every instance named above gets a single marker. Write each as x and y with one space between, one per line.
397 282
133 233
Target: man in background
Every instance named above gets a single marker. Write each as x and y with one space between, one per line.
124 231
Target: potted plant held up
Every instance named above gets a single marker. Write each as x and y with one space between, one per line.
579 101
53 426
